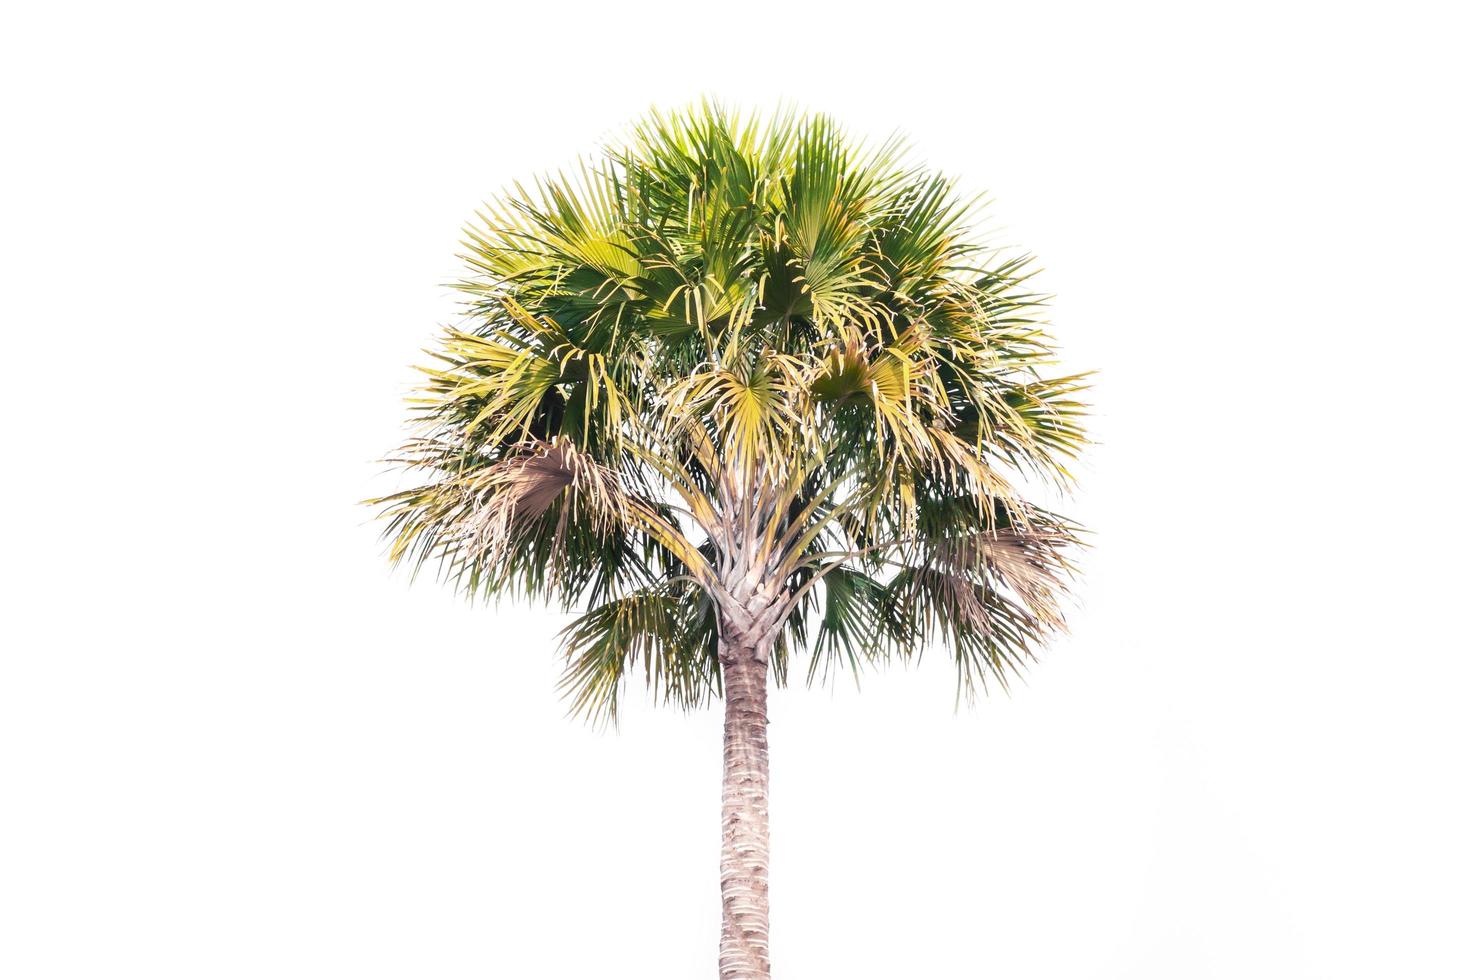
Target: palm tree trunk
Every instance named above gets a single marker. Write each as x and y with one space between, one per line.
743 952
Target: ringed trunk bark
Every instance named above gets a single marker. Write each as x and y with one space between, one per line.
743 952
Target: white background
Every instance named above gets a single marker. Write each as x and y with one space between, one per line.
236 745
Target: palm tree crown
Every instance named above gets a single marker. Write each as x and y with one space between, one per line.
743 375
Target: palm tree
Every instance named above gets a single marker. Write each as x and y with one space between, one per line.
750 396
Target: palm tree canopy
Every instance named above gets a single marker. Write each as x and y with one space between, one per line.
746 369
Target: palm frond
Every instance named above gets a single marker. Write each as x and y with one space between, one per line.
668 633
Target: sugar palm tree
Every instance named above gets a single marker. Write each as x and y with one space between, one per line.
752 398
